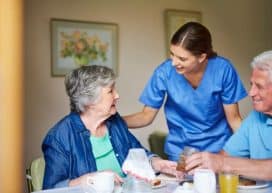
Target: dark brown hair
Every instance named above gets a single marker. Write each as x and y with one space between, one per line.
195 38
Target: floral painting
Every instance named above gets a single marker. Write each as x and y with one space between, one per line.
77 43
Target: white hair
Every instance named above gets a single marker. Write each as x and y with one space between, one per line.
84 84
263 62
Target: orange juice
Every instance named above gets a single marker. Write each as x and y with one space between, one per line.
228 183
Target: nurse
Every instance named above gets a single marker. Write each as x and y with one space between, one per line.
201 91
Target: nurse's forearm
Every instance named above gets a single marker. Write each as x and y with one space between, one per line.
141 119
233 115
136 120
235 123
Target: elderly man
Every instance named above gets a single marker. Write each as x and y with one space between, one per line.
252 142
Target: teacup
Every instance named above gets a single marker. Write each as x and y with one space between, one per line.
102 182
204 181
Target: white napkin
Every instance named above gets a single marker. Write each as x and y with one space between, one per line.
137 164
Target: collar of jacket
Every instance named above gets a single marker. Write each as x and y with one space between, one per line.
79 125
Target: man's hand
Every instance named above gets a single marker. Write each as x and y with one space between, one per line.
207 160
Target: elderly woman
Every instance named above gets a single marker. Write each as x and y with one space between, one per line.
93 137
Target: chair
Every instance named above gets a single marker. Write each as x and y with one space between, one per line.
156 142
34 175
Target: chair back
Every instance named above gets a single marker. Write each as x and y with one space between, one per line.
156 142
34 174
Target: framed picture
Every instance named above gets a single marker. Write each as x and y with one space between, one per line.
175 19
77 43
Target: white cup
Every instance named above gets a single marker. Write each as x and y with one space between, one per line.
102 182
204 181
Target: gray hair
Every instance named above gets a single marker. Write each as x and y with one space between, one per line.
263 62
83 85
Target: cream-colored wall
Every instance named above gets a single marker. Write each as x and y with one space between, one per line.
239 30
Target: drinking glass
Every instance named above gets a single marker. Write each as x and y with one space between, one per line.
187 151
137 162
228 182
134 185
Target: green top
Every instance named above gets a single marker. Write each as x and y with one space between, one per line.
104 155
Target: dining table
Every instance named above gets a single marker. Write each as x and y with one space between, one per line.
168 187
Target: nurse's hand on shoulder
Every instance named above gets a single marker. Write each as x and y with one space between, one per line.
204 160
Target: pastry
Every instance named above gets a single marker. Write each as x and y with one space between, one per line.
246 182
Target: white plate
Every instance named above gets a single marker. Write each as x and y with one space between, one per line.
259 184
164 177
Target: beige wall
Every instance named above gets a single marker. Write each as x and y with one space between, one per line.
240 30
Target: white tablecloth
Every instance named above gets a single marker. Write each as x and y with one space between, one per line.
169 188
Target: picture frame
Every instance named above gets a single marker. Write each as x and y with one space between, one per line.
175 19
76 43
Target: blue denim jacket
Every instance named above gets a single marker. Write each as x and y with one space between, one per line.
68 151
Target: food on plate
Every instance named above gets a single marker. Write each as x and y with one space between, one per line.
246 182
156 182
167 177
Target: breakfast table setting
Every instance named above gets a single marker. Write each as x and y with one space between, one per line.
167 184
172 185
203 181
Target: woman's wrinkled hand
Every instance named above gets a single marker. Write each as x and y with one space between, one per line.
137 176
117 179
164 166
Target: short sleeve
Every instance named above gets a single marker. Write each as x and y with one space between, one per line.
233 89
154 91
